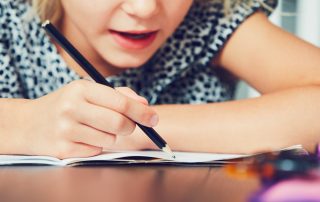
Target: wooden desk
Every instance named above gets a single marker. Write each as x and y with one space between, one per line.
122 183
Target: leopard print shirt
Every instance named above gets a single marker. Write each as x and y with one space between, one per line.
180 72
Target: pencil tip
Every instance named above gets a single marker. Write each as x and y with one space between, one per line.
168 151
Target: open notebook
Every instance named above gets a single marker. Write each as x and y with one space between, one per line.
131 157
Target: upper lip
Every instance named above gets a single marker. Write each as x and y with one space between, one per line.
135 31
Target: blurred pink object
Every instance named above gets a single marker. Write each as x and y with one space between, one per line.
293 190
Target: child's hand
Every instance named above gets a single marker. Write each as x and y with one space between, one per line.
81 118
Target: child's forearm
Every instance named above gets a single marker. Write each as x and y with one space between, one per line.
11 121
269 122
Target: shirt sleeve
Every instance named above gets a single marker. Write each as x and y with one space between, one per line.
228 22
10 86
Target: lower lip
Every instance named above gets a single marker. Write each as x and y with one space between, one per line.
136 44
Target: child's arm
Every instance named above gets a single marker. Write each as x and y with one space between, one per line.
272 121
269 58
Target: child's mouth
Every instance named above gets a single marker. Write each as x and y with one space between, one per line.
134 40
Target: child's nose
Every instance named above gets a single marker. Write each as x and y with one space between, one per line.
141 8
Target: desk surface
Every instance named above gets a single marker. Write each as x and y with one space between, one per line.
155 183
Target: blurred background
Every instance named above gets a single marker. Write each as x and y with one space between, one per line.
300 17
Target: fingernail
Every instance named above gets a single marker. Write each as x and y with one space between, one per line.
154 120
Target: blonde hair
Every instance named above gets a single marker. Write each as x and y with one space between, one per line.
53 10
48 9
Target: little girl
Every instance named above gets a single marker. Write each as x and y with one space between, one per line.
175 62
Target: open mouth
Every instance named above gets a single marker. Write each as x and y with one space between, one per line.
134 39
136 36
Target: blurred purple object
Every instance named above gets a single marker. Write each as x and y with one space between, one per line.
292 190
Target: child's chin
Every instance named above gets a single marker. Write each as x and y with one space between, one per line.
129 64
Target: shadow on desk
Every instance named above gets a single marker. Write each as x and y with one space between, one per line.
124 183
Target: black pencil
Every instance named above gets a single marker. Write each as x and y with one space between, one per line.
95 75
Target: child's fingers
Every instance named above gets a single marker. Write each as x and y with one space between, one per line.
104 119
73 150
93 137
109 98
130 93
